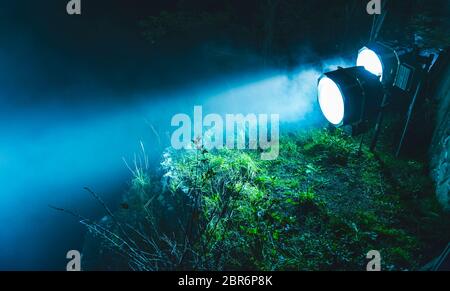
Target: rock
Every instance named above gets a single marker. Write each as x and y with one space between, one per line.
440 146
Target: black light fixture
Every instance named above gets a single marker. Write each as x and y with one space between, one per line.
396 66
355 97
350 97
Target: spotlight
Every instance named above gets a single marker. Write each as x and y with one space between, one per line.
350 97
355 98
331 101
394 65
397 68
370 60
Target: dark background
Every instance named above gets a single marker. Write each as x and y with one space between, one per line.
77 92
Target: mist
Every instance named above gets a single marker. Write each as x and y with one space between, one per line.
74 104
53 151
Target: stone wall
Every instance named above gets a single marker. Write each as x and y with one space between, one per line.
440 146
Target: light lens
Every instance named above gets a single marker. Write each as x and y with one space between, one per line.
331 101
370 60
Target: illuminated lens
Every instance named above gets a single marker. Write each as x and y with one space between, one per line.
370 60
331 101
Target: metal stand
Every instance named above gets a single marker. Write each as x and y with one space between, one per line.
376 135
408 118
426 61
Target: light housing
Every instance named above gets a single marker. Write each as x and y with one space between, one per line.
350 96
391 63
331 101
370 61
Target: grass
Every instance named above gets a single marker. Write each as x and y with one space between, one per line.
322 205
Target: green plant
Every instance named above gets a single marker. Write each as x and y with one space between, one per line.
311 209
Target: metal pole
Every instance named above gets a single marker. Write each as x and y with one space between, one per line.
378 22
408 119
373 144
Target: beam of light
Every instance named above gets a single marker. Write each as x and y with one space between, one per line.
46 157
331 101
370 60
290 96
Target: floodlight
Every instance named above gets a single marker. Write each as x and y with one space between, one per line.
370 60
349 96
331 100
394 65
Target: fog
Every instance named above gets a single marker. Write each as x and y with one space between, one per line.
72 107
49 153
